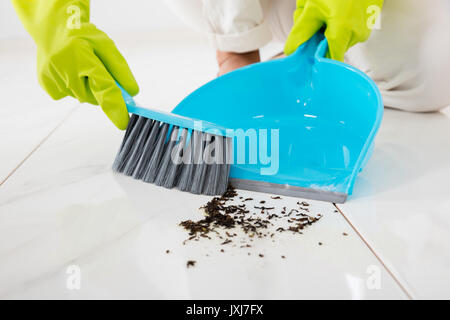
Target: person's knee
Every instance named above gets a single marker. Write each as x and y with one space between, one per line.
430 96
432 103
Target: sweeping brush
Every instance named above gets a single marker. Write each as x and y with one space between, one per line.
174 151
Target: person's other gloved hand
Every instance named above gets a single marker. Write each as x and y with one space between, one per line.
75 58
347 22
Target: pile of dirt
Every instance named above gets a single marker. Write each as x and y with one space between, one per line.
228 215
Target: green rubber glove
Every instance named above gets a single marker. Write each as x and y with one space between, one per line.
75 58
347 22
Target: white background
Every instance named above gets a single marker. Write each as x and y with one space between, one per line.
109 15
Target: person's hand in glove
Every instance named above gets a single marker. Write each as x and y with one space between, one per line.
75 58
346 22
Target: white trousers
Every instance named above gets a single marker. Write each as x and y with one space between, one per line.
408 57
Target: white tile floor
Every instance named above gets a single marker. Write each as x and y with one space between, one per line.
63 206
27 114
402 201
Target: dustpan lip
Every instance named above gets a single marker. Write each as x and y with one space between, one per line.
320 58
288 190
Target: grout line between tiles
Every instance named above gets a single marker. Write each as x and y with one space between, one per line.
410 297
38 146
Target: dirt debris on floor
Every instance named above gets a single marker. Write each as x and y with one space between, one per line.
190 263
228 215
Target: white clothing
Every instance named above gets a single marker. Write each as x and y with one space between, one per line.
408 57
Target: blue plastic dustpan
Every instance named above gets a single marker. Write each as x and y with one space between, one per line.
303 125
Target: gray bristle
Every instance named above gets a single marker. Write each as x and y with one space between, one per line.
147 152
153 164
173 170
213 170
131 135
171 156
138 148
131 124
166 159
187 169
199 166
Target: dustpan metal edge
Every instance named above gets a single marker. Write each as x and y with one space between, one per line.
288 190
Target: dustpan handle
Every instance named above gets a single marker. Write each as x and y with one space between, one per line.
315 47
322 49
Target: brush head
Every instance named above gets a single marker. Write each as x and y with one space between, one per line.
174 157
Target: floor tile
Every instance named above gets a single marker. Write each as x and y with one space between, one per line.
27 115
401 204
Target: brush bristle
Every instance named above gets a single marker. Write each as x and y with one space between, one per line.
174 157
